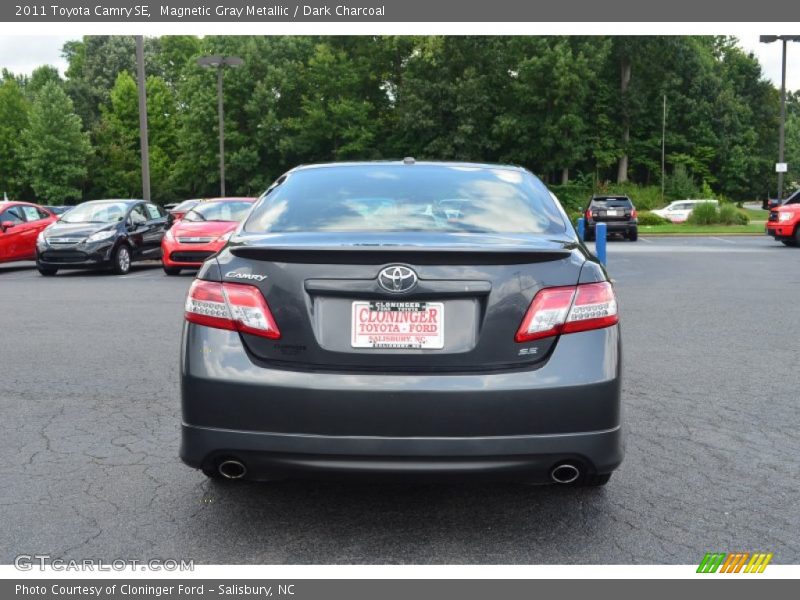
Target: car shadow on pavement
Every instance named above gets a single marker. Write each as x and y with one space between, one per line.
344 522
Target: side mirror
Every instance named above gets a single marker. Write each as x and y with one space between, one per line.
6 225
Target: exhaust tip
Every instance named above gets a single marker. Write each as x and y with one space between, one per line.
232 469
565 473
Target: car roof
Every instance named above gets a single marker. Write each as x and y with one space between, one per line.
232 199
123 200
7 203
408 162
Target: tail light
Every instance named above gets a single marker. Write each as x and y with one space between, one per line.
633 213
588 214
232 306
569 309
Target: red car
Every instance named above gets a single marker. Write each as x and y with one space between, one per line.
20 225
202 232
784 221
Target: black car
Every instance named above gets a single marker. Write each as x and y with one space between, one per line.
403 319
102 234
617 212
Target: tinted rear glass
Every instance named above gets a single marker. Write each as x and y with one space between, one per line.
408 198
612 202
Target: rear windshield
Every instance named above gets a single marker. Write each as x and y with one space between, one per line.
408 198
612 202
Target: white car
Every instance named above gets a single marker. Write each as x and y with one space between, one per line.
679 210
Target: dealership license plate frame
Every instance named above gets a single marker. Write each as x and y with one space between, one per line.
407 338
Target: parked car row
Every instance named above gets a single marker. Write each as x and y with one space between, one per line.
112 234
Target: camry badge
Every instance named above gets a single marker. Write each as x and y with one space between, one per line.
250 276
397 278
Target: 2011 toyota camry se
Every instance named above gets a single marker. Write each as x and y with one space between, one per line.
411 319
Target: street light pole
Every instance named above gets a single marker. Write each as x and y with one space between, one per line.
782 130
219 63
143 141
221 113
784 39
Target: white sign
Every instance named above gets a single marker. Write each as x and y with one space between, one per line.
408 325
781 167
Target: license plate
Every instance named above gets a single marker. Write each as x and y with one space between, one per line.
403 325
612 213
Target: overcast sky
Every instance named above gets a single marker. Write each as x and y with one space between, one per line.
22 54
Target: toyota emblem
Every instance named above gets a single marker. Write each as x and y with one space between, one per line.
397 278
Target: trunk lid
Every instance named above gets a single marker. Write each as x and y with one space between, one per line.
478 286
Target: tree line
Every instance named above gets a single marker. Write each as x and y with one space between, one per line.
584 109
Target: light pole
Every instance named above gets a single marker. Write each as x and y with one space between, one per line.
768 39
219 63
143 143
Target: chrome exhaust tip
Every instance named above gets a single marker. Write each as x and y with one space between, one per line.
565 473
232 469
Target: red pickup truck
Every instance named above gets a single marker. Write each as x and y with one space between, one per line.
784 221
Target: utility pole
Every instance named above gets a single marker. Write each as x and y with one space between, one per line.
784 39
143 142
663 147
219 63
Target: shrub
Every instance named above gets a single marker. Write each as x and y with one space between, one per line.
648 218
730 215
704 214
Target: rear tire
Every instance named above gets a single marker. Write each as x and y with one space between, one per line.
789 243
588 235
172 270
121 261
47 271
633 234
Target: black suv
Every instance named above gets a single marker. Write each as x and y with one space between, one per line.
617 212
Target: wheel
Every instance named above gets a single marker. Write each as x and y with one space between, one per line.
595 480
633 234
172 270
47 271
121 261
588 235
789 243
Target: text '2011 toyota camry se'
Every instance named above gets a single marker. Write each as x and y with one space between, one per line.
410 319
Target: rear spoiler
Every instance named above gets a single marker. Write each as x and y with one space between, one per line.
381 254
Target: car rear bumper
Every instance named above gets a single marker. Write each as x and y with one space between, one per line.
614 225
515 424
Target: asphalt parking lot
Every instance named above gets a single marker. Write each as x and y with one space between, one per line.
90 424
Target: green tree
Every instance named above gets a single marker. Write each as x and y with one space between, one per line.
118 163
54 148
13 120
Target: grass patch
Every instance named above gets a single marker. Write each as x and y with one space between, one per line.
756 214
689 229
